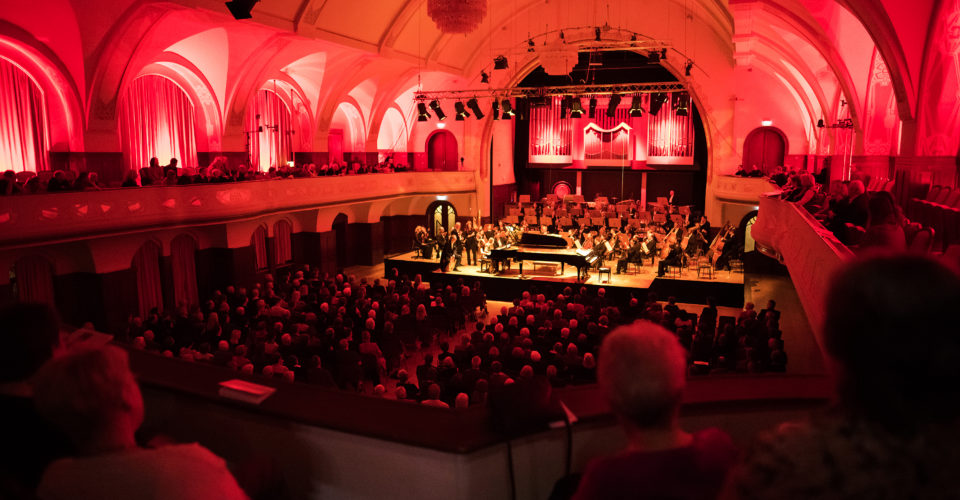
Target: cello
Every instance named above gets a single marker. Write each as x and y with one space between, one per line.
716 247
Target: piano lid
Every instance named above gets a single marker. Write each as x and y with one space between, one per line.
542 240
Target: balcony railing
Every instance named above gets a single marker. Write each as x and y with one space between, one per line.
27 219
730 188
811 252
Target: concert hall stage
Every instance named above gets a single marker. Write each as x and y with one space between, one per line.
725 286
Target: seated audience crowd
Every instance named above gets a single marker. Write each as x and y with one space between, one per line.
220 170
891 432
338 331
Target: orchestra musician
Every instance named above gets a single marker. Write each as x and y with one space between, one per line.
445 245
456 236
471 244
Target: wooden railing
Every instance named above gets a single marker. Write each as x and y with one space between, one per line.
811 253
26 219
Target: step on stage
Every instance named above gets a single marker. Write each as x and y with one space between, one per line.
725 286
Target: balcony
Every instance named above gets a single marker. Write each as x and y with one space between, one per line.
811 253
746 190
30 219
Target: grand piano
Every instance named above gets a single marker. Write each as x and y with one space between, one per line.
543 248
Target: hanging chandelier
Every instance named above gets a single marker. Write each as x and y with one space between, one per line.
557 58
457 16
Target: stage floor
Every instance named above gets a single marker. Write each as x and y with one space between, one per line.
725 286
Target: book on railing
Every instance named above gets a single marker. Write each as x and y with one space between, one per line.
248 392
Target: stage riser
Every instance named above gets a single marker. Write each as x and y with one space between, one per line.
509 288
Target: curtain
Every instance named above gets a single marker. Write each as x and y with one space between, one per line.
183 250
157 120
259 243
271 143
23 123
34 279
281 242
146 264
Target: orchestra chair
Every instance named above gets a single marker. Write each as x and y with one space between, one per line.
524 198
486 265
604 270
546 221
736 266
566 222
674 271
704 267
530 219
597 221
614 222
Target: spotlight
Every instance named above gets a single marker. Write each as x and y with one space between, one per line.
485 78
500 62
241 9
820 123
653 57
561 34
596 34
576 107
422 114
564 104
475 107
461 111
507 110
663 53
496 109
530 45
612 105
635 109
656 102
688 68
633 37
681 103
593 108
435 106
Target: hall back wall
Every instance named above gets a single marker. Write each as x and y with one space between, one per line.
538 182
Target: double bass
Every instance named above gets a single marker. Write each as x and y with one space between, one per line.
716 246
668 241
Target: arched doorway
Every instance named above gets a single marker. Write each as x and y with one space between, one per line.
442 151
340 233
764 147
440 214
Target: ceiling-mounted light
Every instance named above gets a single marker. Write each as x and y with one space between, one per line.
653 57
530 45
576 107
435 106
475 107
656 102
635 109
612 105
766 123
507 110
561 34
422 114
461 111
564 105
633 37
663 53
596 34
484 77
820 123
500 62
457 16
593 108
681 103
496 109
241 9
688 68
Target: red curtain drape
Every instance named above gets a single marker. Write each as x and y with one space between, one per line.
271 143
23 122
282 252
146 265
183 250
34 279
157 120
259 243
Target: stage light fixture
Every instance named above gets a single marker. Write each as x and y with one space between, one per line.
612 105
633 37
475 107
530 45
461 111
653 57
656 102
681 104
508 112
635 110
688 68
500 62
596 34
484 77
241 9
593 108
820 123
422 113
561 34
496 109
663 54
435 106
576 107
